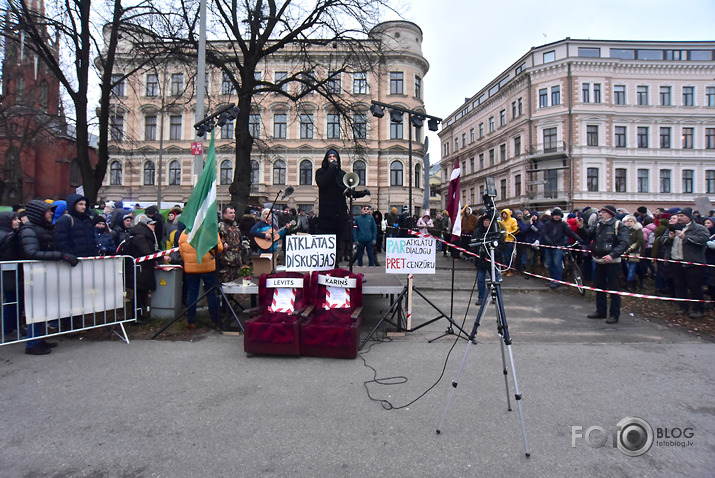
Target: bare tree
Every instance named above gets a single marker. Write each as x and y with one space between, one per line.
73 22
324 39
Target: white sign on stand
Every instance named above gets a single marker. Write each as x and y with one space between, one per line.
410 255
306 253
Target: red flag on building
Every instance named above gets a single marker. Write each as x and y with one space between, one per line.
454 201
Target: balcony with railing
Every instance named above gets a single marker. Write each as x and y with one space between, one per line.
549 150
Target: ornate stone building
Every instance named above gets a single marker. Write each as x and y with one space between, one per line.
584 122
154 114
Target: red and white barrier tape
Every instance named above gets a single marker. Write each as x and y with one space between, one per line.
155 255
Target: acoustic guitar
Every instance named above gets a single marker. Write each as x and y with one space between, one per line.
266 244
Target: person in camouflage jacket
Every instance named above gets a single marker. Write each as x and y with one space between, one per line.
231 257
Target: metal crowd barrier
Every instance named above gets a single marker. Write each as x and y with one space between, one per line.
65 299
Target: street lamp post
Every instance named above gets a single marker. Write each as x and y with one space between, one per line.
414 118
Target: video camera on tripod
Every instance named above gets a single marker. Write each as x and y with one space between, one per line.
494 236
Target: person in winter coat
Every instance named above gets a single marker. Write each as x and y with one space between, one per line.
710 257
393 222
522 223
332 206
424 224
377 216
511 226
153 213
469 224
531 235
231 259
365 235
635 250
609 240
10 251
197 272
143 243
687 244
102 237
74 230
172 224
120 232
37 242
649 227
556 233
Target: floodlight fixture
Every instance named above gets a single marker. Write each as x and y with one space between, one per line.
417 121
396 116
377 111
433 124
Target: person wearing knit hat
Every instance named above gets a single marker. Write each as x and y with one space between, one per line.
687 245
556 233
102 236
609 240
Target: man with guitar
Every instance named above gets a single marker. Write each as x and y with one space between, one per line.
267 236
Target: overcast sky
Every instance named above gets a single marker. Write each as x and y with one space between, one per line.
469 42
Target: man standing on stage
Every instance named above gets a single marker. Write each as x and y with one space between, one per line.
333 212
365 235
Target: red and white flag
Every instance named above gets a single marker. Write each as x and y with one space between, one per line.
454 201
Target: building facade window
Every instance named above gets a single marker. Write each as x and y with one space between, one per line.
174 173
456 144
227 85
665 180
418 87
396 173
709 138
471 165
555 95
360 83
517 185
481 130
710 181
665 138
710 96
279 172
117 127
481 161
592 135
115 174
491 157
688 175
396 131
227 130
226 172
597 92
333 126
464 140
543 98
585 92
306 126
513 109
254 125
175 123
152 85
620 180
502 152
642 95
397 80
620 137
75 173
177 84
471 135
280 126
642 136
360 126
550 56
333 84
278 77
665 96
306 173
519 106
149 174
592 179
491 124
418 176
517 146
688 96
118 88
688 138
150 127
643 180
360 169
503 189
550 143
619 95
502 118
254 174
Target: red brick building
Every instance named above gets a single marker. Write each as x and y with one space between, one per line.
37 146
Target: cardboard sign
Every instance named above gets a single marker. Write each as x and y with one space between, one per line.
408 255
306 253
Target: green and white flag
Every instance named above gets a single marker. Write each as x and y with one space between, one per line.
200 214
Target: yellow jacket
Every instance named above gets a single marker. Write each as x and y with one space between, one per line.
510 225
188 254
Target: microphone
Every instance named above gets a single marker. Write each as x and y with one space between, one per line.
288 191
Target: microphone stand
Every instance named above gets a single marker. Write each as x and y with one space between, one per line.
272 216
350 191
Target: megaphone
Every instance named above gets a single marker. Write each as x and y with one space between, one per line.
350 180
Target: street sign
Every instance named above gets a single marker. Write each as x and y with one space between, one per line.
197 148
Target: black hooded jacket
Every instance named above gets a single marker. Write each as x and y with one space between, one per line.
9 247
74 230
37 238
144 243
332 204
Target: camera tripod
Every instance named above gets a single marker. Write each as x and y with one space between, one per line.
495 295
